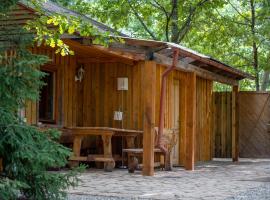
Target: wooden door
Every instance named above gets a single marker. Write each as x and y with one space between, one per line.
176 118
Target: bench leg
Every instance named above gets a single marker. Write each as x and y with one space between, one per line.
168 161
130 140
162 160
132 163
107 147
77 142
109 166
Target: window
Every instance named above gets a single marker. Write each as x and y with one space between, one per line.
47 98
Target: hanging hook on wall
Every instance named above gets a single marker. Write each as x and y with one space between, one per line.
80 73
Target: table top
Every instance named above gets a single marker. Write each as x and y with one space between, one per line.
103 131
139 150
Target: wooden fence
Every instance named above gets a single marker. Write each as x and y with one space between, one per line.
254 117
222 124
254 120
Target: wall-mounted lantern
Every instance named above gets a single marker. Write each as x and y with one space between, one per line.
79 73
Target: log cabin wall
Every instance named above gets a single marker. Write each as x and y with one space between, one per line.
65 103
98 96
203 143
93 101
180 76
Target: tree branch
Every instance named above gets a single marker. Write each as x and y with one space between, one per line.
168 16
187 25
141 21
236 22
240 14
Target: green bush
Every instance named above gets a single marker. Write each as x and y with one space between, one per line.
27 153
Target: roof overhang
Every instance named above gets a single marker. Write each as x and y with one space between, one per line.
161 52
188 57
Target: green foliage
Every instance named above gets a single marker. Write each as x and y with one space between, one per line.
64 24
6 4
227 36
146 19
219 87
27 152
221 28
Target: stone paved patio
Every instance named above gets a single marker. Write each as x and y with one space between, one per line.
219 179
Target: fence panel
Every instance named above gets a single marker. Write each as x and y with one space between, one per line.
254 119
222 124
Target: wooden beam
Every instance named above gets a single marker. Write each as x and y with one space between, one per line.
81 46
118 52
187 60
149 88
105 60
235 123
190 120
163 60
128 48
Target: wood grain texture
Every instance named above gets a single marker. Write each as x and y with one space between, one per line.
222 125
190 121
93 101
235 123
254 117
203 119
149 80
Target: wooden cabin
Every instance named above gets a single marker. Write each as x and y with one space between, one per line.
82 91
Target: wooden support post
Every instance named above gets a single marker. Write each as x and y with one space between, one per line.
235 123
149 93
190 120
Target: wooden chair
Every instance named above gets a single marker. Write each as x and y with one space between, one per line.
169 139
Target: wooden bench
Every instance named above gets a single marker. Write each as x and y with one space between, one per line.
106 134
169 138
134 154
109 162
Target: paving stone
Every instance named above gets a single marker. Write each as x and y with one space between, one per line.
220 179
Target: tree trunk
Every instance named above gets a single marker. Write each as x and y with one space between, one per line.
175 27
255 48
255 65
266 78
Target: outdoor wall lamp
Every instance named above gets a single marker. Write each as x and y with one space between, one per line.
79 73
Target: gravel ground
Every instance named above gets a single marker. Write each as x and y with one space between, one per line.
259 193
216 180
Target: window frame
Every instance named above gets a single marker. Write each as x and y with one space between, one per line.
51 69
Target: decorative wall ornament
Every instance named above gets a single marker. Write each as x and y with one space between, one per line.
79 73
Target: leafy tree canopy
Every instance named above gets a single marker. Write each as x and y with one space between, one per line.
235 32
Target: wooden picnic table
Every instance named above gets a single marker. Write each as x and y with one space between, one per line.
106 134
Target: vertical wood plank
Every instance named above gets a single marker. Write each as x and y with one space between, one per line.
149 84
190 121
183 111
235 123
